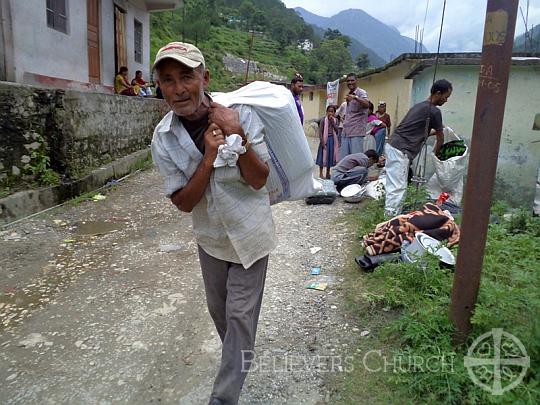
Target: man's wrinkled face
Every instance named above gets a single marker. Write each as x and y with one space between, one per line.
297 88
182 87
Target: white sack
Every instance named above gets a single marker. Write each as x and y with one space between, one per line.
291 165
448 176
375 188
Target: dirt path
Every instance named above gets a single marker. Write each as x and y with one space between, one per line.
120 317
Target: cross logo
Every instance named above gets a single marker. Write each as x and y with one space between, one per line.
497 361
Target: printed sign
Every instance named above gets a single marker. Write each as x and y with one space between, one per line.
332 92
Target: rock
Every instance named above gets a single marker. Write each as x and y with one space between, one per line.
11 377
33 339
169 248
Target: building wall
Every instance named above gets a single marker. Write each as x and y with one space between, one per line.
77 131
315 108
137 10
40 50
108 70
519 153
389 86
43 50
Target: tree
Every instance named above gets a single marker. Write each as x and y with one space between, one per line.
196 20
336 34
362 61
331 60
247 10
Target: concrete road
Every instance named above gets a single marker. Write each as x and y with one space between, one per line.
102 302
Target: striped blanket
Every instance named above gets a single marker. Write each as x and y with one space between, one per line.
430 219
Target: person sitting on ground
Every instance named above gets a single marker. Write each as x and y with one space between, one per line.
121 84
353 169
328 153
143 85
159 93
376 128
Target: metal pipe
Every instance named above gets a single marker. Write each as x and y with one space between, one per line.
488 119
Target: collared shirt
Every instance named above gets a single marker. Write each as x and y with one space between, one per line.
232 221
356 116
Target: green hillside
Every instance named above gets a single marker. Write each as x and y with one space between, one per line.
221 27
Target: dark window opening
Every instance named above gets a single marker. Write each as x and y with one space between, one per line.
138 41
57 15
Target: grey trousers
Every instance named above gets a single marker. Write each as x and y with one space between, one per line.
357 175
351 144
233 295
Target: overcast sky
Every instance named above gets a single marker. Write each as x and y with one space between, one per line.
463 20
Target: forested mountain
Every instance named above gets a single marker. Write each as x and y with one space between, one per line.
263 31
382 39
356 49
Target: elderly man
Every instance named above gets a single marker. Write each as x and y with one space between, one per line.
232 221
356 115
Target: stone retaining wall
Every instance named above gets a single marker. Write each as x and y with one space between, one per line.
74 132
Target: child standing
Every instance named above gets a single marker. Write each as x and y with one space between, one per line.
328 153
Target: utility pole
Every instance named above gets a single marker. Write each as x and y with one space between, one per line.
495 65
249 53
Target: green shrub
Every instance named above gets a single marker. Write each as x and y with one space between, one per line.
509 298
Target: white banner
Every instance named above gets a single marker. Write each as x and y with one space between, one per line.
332 92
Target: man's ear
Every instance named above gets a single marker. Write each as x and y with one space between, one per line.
206 77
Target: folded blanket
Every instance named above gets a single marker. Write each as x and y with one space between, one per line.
431 220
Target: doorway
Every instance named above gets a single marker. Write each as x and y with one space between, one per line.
120 50
94 57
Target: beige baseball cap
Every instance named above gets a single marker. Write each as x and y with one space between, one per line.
185 53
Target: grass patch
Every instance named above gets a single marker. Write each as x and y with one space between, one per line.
406 307
143 164
82 198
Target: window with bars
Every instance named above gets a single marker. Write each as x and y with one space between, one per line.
138 41
57 15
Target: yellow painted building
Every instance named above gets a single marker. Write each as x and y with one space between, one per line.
386 83
407 80
313 100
